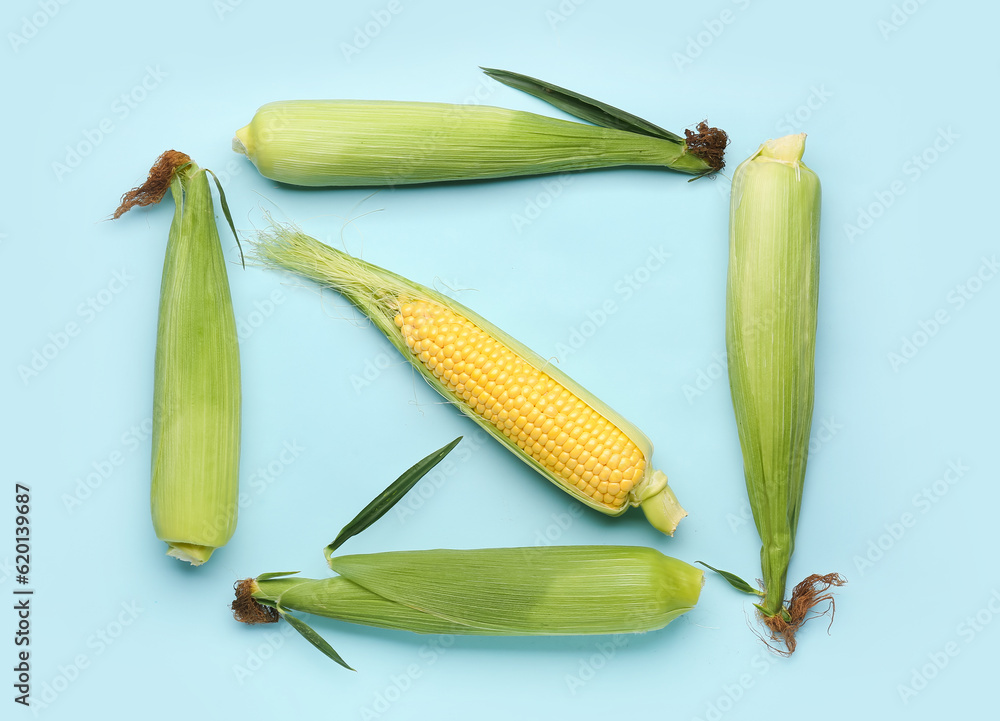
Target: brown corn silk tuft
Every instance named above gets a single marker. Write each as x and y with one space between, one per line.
709 144
807 594
157 183
245 607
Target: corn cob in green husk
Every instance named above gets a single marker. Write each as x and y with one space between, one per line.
548 420
196 399
542 590
771 318
373 143
533 591
538 591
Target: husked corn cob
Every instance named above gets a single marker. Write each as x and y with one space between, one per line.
538 412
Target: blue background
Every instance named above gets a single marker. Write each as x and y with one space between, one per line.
118 625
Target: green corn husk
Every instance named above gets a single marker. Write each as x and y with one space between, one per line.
380 294
771 314
373 143
196 401
544 590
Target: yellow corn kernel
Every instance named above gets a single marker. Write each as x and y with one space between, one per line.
427 314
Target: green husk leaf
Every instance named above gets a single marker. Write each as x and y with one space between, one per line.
550 590
389 497
337 597
275 574
312 637
581 106
782 613
735 581
229 217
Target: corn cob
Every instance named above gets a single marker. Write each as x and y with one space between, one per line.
535 410
771 312
196 403
545 590
370 143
